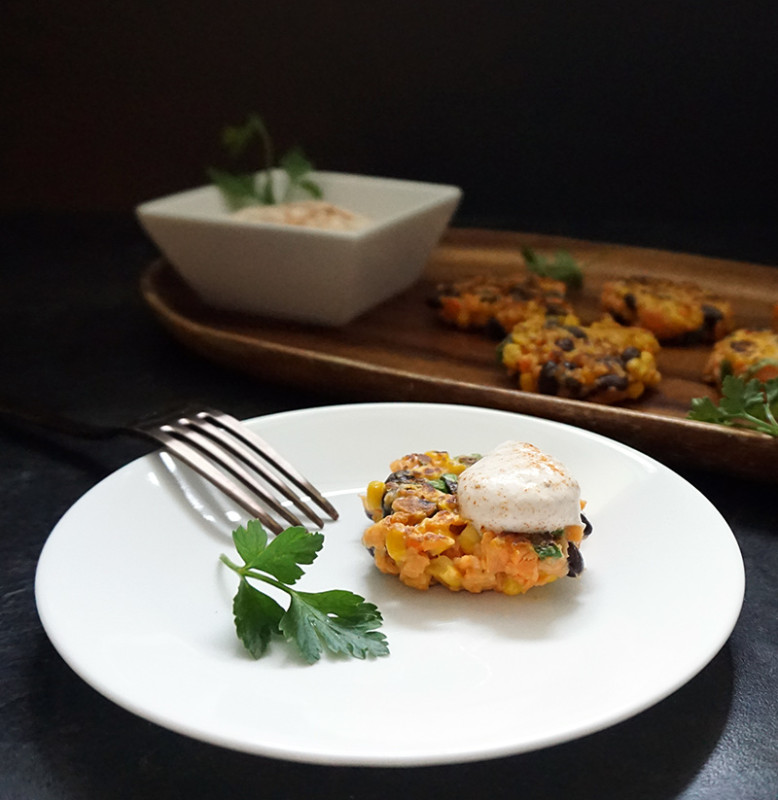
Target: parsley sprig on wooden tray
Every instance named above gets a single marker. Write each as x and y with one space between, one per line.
562 267
745 403
243 189
337 620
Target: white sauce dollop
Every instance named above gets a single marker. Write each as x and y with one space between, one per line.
519 488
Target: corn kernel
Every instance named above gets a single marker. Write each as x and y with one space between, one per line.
469 539
436 543
375 495
511 586
443 569
634 390
395 544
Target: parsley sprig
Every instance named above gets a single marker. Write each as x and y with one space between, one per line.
242 189
562 267
337 620
745 403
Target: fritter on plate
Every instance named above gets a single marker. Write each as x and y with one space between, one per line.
506 522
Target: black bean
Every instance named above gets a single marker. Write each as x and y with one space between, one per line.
493 329
565 343
617 382
711 315
587 525
547 380
401 476
575 562
741 345
579 333
630 302
488 296
629 353
518 292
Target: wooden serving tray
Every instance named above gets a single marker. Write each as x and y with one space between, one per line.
400 351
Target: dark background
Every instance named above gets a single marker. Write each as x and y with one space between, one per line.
614 119
648 123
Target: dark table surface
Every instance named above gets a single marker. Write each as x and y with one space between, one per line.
75 335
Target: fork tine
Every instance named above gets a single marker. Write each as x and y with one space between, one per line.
236 447
184 432
194 459
269 454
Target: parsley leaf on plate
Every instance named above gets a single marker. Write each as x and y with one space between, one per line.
283 556
337 620
257 618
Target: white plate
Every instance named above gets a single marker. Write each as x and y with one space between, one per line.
130 591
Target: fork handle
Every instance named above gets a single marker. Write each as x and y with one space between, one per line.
49 420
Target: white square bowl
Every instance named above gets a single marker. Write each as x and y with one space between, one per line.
303 274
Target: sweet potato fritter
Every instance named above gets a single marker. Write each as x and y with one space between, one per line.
675 312
496 304
602 362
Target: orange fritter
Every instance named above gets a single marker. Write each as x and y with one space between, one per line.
418 534
747 353
603 362
675 312
496 304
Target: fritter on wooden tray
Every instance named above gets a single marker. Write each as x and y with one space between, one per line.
747 353
675 312
495 304
603 362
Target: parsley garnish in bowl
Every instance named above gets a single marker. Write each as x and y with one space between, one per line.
245 189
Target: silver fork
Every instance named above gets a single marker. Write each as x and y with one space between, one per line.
221 449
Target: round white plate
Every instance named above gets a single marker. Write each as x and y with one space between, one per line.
131 592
